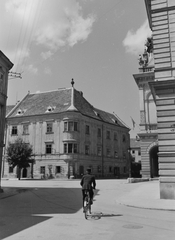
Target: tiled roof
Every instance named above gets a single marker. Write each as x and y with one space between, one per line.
38 103
9 108
60 101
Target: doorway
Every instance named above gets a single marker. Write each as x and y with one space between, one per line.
81 170
154 165
24 173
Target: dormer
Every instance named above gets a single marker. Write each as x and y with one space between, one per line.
50 109
20 112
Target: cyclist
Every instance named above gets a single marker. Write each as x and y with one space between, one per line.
88 183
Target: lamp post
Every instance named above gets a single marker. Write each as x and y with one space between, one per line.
129 154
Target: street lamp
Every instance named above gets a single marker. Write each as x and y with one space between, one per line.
129 154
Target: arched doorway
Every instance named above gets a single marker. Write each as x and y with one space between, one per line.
154 165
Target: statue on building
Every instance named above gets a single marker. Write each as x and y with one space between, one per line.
145 57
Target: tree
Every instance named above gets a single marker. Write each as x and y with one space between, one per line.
19 154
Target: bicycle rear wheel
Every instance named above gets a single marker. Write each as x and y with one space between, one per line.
86 209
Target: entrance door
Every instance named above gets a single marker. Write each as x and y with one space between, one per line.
81 170
116 171
24 173
154 166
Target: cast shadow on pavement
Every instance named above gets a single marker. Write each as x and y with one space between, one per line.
98 216
18 210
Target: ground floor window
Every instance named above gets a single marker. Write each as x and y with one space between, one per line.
99 169
10 169
48 148
58 169
87 150
42 170
110 169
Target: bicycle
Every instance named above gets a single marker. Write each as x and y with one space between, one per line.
87 204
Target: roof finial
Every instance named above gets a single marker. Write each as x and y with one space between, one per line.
72 82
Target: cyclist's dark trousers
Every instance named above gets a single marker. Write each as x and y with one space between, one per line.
91 194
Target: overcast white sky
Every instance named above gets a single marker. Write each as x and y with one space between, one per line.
96 42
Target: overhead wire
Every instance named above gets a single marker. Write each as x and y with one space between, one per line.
35 20
19 38
23 45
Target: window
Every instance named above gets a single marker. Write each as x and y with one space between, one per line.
48 148
25 129
87 129
98 151
133 151
124 154
87 149
124 169
115 136
14 130
42 170
124 138
70 148
108 152
99 132
108 134
115 154
10 169
70 126
139 152
99 169
110 169
49 128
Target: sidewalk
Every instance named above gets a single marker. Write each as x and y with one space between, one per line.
147 196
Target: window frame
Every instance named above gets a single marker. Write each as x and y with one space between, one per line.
99 133
87 149
108 152
108 134
49 127
25 129
115 153
14 131
87 129
70 126
115 136
46 148
99 151
70 148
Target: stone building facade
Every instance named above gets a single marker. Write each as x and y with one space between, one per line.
5 66
68 135
161 16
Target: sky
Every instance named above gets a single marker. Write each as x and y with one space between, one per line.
95 42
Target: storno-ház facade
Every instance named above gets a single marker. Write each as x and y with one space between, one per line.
68 135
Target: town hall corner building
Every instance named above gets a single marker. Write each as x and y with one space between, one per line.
67 135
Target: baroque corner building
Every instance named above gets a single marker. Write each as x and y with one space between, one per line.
161 16
5 66
68 135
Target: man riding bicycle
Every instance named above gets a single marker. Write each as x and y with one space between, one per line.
88 183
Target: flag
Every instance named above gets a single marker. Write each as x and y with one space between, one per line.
133 123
